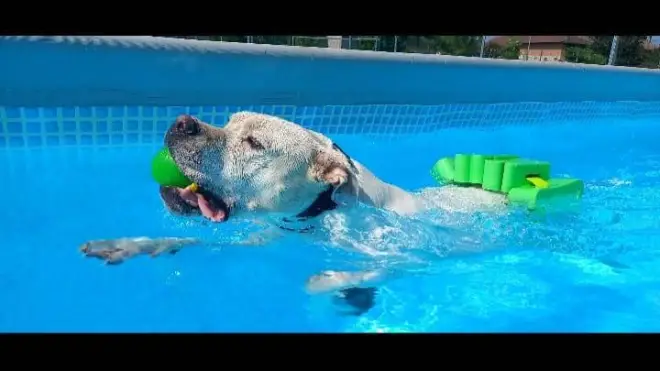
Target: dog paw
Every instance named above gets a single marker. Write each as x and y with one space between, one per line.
355 301
112 255
336 177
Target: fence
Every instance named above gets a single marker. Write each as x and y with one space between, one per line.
631 51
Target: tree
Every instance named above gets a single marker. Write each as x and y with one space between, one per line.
651 59
630 49
364 42
272 39
418 44
467 46
310 41
387 43
584 54
450 45
231 38
510 51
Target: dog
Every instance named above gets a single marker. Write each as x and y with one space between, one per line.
262 164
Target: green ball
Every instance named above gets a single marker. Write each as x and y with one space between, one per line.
165 171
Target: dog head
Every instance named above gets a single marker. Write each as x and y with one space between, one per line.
255 162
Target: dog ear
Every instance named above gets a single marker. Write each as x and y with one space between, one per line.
328 167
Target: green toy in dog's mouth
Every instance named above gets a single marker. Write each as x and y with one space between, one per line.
166 173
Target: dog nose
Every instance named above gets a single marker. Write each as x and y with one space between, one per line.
187 124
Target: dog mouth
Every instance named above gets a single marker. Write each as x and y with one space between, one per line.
185 201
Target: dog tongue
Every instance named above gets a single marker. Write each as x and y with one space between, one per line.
209 210
212 212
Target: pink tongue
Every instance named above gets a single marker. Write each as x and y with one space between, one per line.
188 195
217 215
197 200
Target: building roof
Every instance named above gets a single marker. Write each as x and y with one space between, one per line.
569 40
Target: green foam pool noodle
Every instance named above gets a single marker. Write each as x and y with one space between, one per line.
166 173
521 180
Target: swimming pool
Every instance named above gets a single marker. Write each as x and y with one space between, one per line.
77 136
590 271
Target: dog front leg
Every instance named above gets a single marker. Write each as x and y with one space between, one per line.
115 251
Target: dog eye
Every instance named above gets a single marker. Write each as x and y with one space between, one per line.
254 143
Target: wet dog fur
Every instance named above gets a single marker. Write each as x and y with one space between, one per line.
259 163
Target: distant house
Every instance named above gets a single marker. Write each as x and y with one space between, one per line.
542 48
548 48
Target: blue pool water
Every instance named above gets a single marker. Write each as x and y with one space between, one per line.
595 270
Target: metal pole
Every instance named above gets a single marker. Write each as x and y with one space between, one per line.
615 44
483 46
396 41
529 46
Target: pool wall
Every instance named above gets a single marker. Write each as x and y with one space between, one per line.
96 91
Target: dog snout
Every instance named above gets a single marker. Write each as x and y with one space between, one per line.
186 124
